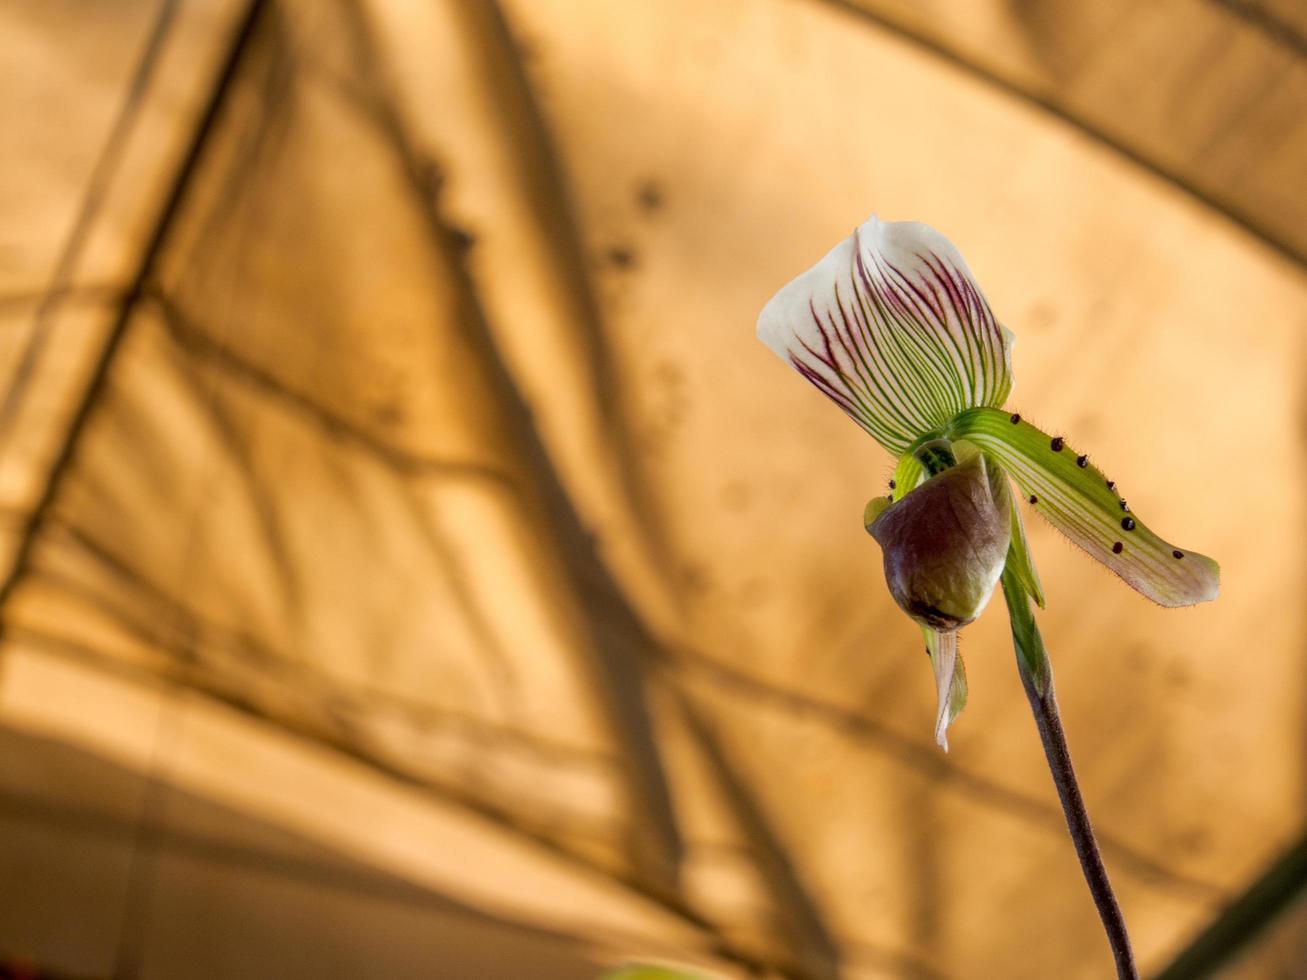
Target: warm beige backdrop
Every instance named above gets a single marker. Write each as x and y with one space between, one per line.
415 567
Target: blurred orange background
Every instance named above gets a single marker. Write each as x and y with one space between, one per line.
412 566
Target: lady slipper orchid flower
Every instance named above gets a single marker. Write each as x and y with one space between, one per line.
892 327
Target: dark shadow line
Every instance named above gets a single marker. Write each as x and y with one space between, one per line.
812 950
245 647
498 661
930 763
554 825
544 174
341 875
617 638
272 533
920 757
196 342
89 295
239 46
1280 31
1058 110
1235 117
499 817
187 680
1240 922
102 173
143 852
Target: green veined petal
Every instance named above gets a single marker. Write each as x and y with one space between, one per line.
1078 501
892 327
950 680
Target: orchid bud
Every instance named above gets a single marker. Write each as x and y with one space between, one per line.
945 544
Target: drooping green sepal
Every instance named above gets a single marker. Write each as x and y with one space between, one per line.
1079 501
1019 557
1031 655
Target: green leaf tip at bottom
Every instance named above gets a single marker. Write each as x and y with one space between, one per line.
647 972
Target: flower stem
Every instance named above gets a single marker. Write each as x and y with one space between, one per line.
1037 679
1077 820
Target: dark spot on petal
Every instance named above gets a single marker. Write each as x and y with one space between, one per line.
1016 417
1128 523
1082 461
889 497
1177 554
1118 548
1034 499
1125 507
893 485
1057 444
1111 484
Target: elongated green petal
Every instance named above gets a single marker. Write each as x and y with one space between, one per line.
1019 559
891 327
950 680
1079 501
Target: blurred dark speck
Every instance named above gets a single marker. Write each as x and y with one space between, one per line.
1042 317
463 238
1196 840
695 577
649 195
1178 676
667 373
621 257
431 175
